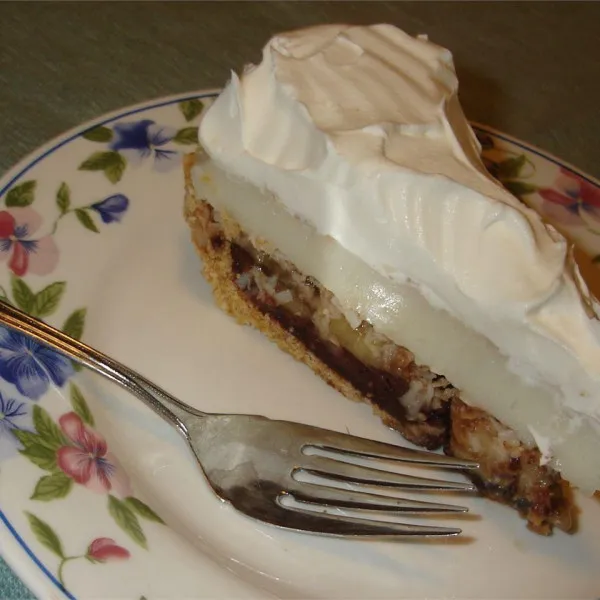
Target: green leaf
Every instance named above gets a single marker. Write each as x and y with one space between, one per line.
115 171
46 301
98 161
22 194
125 518
98 134
75 323
80 406
22 294
187 135
51 487
511 167
112 163
143 510
45 535
41 456
48 430
191 108
37 450
74 326
63 198
29 438
84 218
519 188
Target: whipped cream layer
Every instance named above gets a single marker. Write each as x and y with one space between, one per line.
358 132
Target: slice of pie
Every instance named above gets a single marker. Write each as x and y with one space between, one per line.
340 205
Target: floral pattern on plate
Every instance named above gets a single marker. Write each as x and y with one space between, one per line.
68 450
100 550
136 141
72 452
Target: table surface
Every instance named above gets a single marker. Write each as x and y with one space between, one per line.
529 69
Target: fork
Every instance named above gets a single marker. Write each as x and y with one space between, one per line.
256 463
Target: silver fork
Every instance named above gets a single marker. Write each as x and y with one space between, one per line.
255 463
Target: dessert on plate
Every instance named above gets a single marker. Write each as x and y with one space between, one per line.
340 205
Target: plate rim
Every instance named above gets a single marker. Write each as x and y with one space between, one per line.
41 152
28 567
559 162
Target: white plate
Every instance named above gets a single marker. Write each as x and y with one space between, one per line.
107 203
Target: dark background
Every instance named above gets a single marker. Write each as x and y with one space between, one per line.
531 69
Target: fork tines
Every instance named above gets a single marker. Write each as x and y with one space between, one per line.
328 480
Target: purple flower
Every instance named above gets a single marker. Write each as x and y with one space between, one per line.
30 366
111 209
139 140
14 415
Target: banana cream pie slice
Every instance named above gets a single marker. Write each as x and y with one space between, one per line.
340 205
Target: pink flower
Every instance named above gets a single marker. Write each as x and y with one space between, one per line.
104 549
572 200
87 460
24 253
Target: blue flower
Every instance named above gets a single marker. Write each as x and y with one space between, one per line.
111 209
30 366
131 136
139 140
13 415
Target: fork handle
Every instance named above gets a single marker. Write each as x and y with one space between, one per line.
162 403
